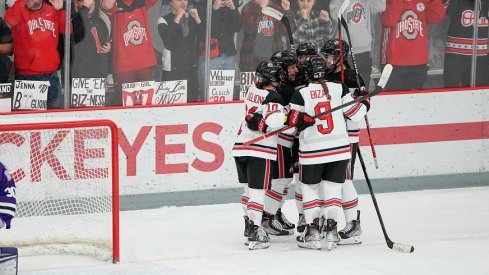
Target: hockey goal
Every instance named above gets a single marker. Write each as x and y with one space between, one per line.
67 188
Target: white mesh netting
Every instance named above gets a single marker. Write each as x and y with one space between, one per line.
64 190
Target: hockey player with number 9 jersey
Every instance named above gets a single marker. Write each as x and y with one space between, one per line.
324 150
8 203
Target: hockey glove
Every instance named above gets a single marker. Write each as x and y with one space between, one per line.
362 92
255 121
299 120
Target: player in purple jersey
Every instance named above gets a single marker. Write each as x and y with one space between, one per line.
8 203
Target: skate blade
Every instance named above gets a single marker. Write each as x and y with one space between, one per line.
310 245
331 245
258 245
350 241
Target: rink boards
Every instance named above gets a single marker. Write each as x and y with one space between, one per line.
177 148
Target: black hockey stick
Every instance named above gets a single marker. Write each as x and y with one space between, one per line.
359 82
386 73
282 18
405 248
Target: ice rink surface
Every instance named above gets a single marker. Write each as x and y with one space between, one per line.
449 229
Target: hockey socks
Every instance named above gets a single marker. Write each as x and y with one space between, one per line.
349 198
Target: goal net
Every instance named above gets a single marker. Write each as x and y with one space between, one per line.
66 176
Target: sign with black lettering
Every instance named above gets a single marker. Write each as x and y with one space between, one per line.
87 92
30 95
138 93
170 92
247 79
6 93
221 85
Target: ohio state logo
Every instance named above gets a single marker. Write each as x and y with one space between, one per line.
266 26
409 26
356 14
135 33
468 19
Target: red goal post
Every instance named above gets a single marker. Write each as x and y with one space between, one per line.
67 181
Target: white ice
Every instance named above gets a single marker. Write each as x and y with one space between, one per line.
448 228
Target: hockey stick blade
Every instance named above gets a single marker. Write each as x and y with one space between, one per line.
380 86
343 7
275 14
272 13
404 248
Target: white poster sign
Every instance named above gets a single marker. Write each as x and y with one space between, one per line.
30 95
247 79
138 93
6 94
87 92
170 92
221 85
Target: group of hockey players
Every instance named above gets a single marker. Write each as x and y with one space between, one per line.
295 89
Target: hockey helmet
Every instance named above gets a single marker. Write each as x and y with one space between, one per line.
315 67
268 72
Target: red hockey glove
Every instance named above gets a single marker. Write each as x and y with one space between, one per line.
299 120
255 121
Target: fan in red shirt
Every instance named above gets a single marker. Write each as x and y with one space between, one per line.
405 40
36 25
133 53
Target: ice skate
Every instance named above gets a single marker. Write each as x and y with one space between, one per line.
271 225
310 237
258 238
332 237
301 223
248 228
352 233
286 224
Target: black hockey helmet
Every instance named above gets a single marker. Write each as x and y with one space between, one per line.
315 68
285 58
268 72
332 47
306 48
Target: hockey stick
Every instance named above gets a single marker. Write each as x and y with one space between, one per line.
275 14
405 248
380 86
357 74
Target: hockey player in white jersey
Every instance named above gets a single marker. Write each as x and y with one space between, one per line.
324 151
337 71
264 112
274 220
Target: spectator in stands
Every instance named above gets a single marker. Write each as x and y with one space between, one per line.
262 35
35 43
179 32
358 16
405 40
92 41
458 52
225 24
312 25
133 57
6 48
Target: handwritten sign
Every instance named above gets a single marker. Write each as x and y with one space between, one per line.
87 92
138 93
247 79
221 85
170 92
30 95
6 93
